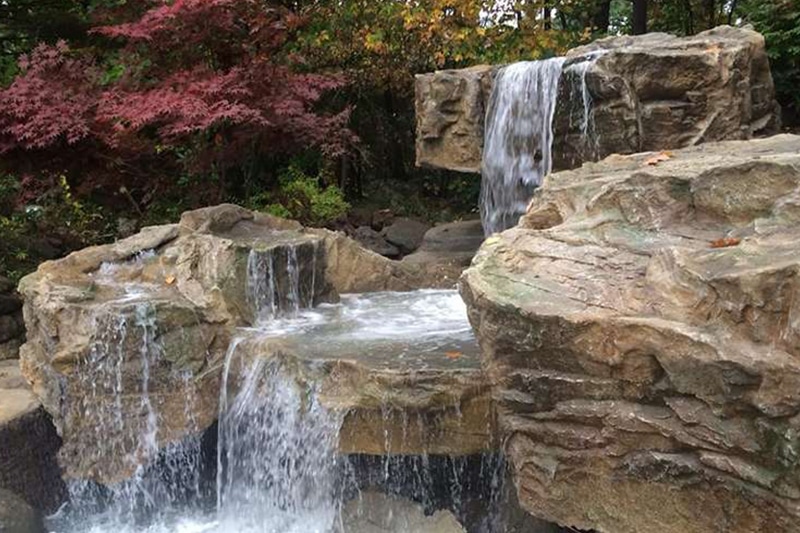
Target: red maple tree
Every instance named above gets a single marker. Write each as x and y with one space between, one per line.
200 86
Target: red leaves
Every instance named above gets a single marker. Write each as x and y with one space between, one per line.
725 242
53 99
201 76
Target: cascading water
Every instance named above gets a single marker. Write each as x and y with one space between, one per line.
276 463
518 139
134 440
276 453
517 149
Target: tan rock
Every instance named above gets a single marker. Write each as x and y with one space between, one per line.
639 323
649 92
126 342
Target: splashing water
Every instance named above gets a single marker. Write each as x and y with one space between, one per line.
133 439
518 140
276 453
278 470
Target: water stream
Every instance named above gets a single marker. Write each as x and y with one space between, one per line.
518 137
517 151
275 466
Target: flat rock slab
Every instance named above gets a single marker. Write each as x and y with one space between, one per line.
403 367
641 327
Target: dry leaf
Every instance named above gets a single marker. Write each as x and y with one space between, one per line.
658 158
169 280
453 355
725 242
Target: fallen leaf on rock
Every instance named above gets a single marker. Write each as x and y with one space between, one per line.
658 158
453 355
169 280
725 242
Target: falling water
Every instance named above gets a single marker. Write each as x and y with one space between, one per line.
260 281
273 284
518 141
133 439
517 150
276 452
580 92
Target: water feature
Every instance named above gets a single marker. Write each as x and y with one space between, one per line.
271 463
517 151
518 138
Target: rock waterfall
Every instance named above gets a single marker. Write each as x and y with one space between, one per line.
518 139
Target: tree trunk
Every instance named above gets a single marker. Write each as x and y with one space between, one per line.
711 13
602 16
547 17
639 17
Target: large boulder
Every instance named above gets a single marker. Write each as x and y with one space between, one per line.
642 328
450 109
659 92
617 95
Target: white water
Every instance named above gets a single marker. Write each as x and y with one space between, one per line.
517 151
277 453
518 138
278 471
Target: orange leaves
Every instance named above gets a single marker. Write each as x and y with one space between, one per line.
658 158
725 242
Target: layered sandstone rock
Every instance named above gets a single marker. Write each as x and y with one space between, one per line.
450 107
126 342
617 95
642 328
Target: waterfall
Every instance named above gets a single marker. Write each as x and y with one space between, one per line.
517 149
130 328
274 279
518 139
276 452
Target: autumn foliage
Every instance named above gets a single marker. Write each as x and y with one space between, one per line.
194 87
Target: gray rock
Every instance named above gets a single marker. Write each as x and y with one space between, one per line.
374 512
405 233
16 516
451 243
29 444
372 240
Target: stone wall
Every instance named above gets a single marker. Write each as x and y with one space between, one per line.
650 92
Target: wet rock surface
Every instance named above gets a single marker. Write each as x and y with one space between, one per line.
373 512
640 325
16 516
126 342
29 445
617 95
